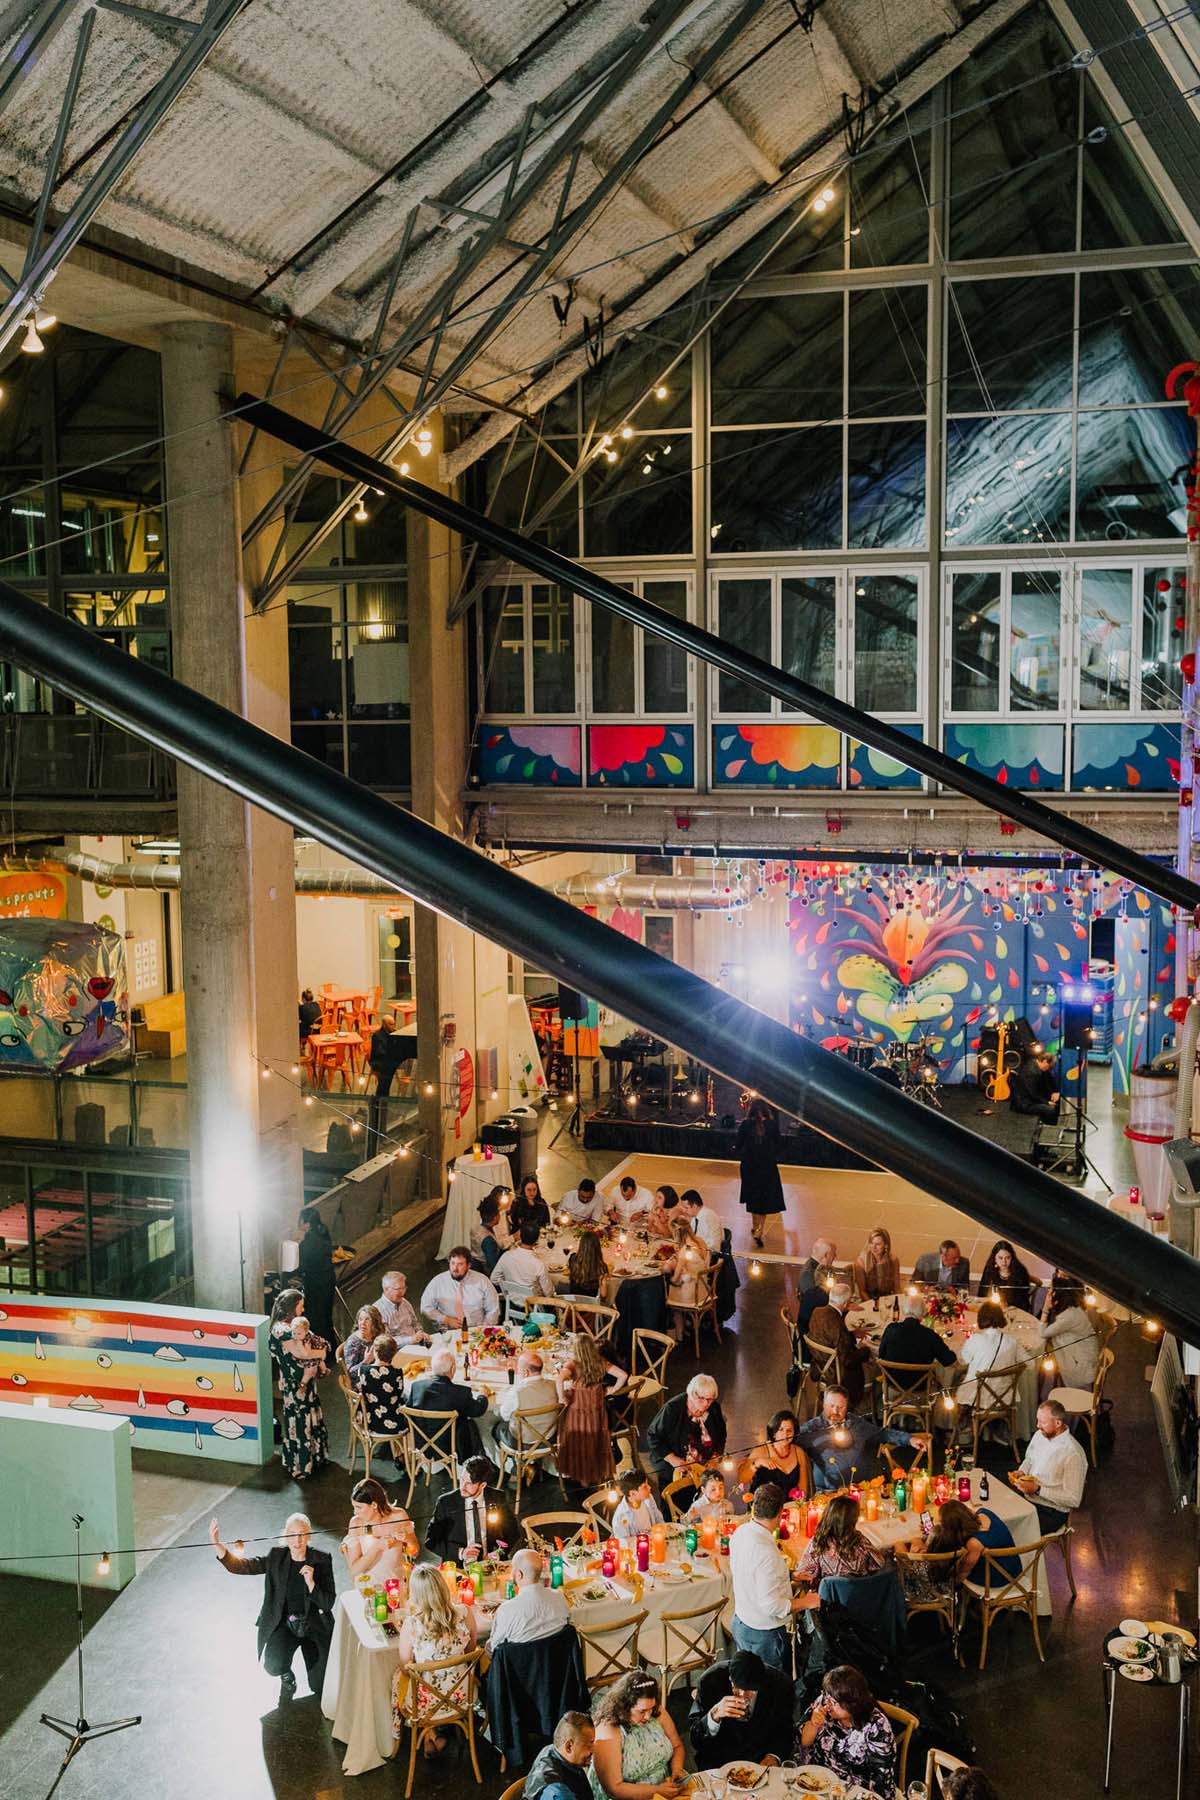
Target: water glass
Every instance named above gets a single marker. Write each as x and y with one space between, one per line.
917 1791
791 1774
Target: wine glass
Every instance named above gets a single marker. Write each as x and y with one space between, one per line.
791 1774
917 1791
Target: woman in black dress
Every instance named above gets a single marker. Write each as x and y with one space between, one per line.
529 1207
316 1273
757 1145
1006 1275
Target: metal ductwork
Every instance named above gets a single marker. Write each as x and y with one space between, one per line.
665 893
164 877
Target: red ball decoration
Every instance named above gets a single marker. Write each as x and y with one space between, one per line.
1187 666
1164 587
1177 1008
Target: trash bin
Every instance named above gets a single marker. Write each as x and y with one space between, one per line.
504 1136
526 1120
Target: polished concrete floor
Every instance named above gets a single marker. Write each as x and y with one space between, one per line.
178 1645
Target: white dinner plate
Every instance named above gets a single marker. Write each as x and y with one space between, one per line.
828 1786
1136 1672
1129 1650
1135 1628
760 1775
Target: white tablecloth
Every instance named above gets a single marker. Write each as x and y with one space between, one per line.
1021 1325
1018 1513
357 1695
659 1596
472 1181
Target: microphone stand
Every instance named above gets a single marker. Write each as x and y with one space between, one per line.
80 1733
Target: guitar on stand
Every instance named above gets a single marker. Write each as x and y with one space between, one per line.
998 1065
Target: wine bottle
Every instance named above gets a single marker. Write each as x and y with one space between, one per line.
985 1486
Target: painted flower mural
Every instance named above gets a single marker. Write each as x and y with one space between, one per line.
783 755
904 964
641 755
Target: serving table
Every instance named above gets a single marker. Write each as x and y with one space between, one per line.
357 1695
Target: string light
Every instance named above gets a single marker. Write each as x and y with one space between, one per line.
266 1073
361 514
104 1566
756 1268
295 1068
308 1099
660 392
1049 1365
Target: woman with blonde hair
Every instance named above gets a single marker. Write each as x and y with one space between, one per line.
585 1453
685 1270
876 1270
435 1628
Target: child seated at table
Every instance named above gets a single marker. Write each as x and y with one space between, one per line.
637 1510
710 1502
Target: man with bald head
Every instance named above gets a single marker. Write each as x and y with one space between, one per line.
534 1612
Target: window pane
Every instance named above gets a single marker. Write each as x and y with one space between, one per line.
808 630
380 756
665 670
777 359
1009 344
975 641
777 490
1008 480
322 741
887 351
611 392
1105 639
518 479
1131 323
315 665
641 505
22 529
887 197
885 643
1163 601
1034 636
1130 474
612 662
1012 144
815 243
553 650
886 487
744 620
377 675
503 650
1120 205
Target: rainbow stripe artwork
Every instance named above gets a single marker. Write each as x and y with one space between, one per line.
190 1381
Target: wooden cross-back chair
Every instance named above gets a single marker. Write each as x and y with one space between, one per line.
541 1529
997 1592
534 1442
610 1650
435 1697
430 1442
689 1643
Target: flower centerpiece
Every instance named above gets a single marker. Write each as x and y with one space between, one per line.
943 1306
492 1342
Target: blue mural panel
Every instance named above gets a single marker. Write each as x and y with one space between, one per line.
642 756
529 755
1021 756
777 756
872 769
1126 756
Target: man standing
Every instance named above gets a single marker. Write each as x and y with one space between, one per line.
396 1310
1054 1470
381 1060
559 1770
461 1296
474 1519
828 1326
298 1601
741 1712
944 1267
763 1602
1033 1091
842 1445
439 1392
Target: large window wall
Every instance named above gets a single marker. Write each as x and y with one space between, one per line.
919 454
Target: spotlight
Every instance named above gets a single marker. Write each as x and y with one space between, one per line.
32 344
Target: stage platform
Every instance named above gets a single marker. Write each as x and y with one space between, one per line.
655 1132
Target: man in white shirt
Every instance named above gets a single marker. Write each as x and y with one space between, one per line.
461 1296
707 1224
583 1205
630 1201
763 1602
399 1320
637 1509
532 1392
1054 1470
535 1612
521 1271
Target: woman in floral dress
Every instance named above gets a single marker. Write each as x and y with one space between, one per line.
382 1388
435 1629
846 1732
299 1360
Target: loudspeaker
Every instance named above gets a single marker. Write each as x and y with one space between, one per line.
1076 1023
1184 1159
571 1003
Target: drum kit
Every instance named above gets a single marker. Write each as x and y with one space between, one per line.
911 1067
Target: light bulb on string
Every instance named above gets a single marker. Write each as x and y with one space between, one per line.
660 392
266 1073
104 1566
295 1068
308 1099
361 514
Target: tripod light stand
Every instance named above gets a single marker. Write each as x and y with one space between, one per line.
80 1732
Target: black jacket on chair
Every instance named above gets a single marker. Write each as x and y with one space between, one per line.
446 1532
276 1566
767 1732
529 1688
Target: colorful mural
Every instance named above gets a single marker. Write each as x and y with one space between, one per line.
1118 755
782 756
189 1381
641 755
529 755
63 998
889 954
872 769
1022 756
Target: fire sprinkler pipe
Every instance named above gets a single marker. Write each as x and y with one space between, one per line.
1024 809
665 893
1141 1271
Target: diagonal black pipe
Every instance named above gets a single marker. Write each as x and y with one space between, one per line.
1143 1272
1060 828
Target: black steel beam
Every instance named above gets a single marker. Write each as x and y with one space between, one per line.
1024 809
1143 1272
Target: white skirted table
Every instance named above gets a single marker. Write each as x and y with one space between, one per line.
473 1181
357 1696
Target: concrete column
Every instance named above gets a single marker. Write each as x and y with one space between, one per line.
241 1200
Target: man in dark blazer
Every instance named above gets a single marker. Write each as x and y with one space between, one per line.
828 1326
688 1430
741 1712
298 1601
944 1267
439 1392
473 1516
909 1340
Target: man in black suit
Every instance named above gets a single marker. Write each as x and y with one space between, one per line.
908 1340
298 1601
439 1392
475 1517
741 1712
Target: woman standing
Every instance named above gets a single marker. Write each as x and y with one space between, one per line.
316 1273
778 1459
585 1453
757 1146
435 1628
876 1270
638 1752
1069 1334
1006 1277
304 1445
845 1731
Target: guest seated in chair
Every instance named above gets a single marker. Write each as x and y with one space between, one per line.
435 1629
380 1540
842 1444
909 1340
838 1547
988 1351
1054 1469
475 1519
828 1327
534 1611
396 1310
1005 1278
532 1392
638 1752
368 1325
439 1392
711 1502
845 1731
689 1430
521 1271
582 1205
486 1247
1033 1090
968 1533
637 1509
382 1388
461 1296
944 1267
741 1712
559 1770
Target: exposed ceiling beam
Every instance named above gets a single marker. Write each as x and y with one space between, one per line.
458 52
652 214
672 287
748 147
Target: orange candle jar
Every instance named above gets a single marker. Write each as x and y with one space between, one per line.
872 1503
708 1534
919 1493
658 1543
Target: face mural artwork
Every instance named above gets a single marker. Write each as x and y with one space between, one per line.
63 998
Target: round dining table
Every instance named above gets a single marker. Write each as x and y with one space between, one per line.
873 1321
